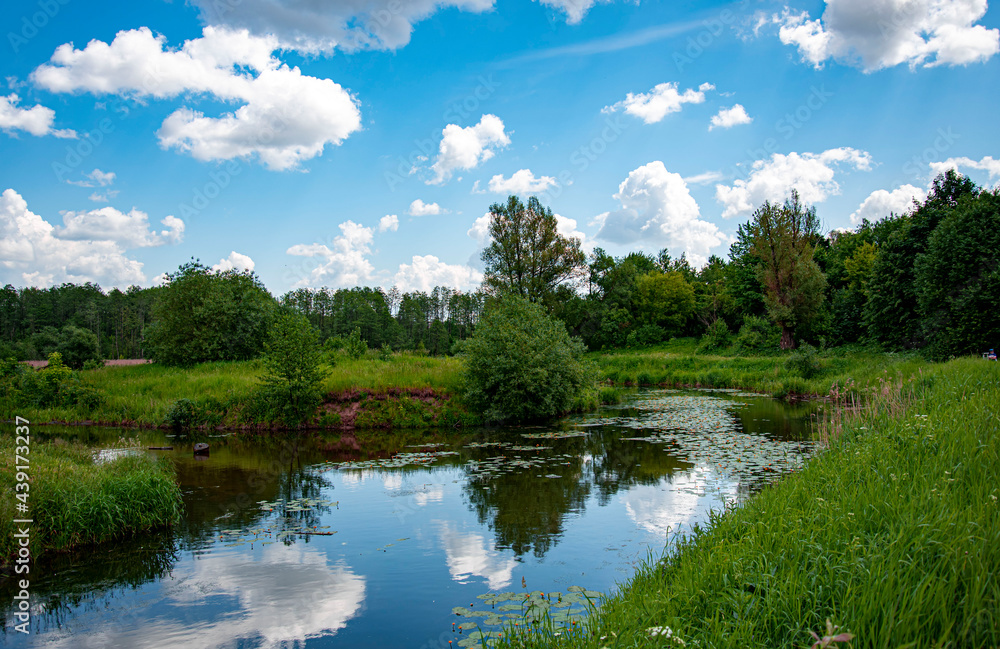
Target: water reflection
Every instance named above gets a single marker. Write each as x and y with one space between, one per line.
472 555
281 596
405 545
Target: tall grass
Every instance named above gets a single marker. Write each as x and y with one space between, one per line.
893 534
677 364
74 501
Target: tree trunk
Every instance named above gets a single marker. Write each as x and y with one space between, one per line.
787 342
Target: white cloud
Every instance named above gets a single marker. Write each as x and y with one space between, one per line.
880 203
703 178
36 120
730 117
987 164
575 9
885 33
342 264
104 197
811 174
235 261
657 208
466 148
285 116
425 272
420 208
480 230
35 253
388 223
108 224
567 227
321 25
521 182
659 102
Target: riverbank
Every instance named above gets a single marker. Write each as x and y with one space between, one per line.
893 534
802 373
75 501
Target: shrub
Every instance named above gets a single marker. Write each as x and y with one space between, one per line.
716 337
355 345
521 364
646 335
757 335
292 369
93 364
804 362
181 414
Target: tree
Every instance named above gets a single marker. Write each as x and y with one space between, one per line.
293 371
522 365
665 300
202 315
957 280
527 256
782 239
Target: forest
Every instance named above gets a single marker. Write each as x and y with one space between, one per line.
928 279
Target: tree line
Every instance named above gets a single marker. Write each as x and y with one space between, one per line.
925 279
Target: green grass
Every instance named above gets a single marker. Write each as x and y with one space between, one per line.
143 394
893 534
676 364
74 501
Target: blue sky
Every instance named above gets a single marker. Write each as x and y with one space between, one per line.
361 142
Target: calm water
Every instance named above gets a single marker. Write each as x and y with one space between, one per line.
403 541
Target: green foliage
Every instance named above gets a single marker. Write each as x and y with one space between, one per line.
522 365
201 315
354 345
183 414
804 362
646 335
716 337
665 300
293 370
957 279
527 256
782 239
757 335
91 364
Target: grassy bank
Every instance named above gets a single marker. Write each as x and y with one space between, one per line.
782 375
221 394
75 501
893 534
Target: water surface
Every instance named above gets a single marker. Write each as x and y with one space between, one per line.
334 541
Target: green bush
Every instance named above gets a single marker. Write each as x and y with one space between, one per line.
804 362
293 372
757 335
716 337
522 365
355 345
182 414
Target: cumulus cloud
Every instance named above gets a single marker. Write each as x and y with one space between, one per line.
881 203
811 174
575 10
89 247
36 120
344 263
471 555
987 164
730 117
235 261
388 223
657 208
129 229
466 148
420 208
521 182
285 117
322 25
659 102
425 272
876 35
480 230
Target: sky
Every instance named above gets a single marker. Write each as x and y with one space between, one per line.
346 143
